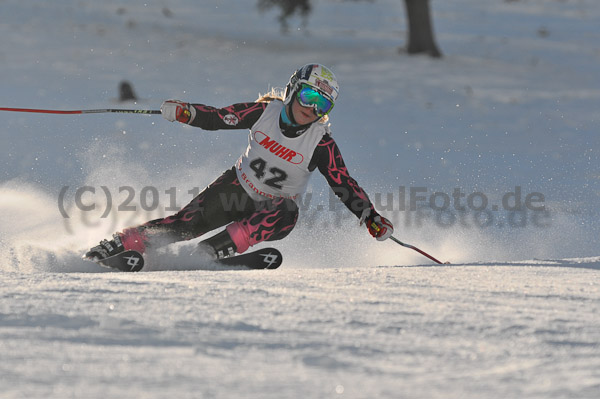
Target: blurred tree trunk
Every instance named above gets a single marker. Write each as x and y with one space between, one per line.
420 30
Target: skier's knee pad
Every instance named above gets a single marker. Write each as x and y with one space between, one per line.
269 224
134 239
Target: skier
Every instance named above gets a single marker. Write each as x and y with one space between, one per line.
256 199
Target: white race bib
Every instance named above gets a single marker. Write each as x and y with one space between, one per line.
275 166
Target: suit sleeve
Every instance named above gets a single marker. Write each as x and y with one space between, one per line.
328 158
236 116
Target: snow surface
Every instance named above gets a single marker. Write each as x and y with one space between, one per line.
515 102
372 332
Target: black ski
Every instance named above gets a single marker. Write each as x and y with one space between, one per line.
266 258
133 261
127 261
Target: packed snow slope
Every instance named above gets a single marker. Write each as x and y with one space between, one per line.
487 158
484 331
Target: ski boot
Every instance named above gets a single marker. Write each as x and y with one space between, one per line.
218 246
106 249
129 239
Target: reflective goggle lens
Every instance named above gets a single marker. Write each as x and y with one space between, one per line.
309 97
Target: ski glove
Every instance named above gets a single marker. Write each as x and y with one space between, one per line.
174 110
378 226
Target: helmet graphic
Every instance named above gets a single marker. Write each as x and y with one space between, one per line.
318 77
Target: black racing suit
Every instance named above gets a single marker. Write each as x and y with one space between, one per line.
225 200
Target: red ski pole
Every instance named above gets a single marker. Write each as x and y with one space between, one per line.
418 250
84 111
374 225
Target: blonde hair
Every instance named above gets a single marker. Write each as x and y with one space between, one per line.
277 93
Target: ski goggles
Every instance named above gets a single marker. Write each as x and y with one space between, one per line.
309 97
